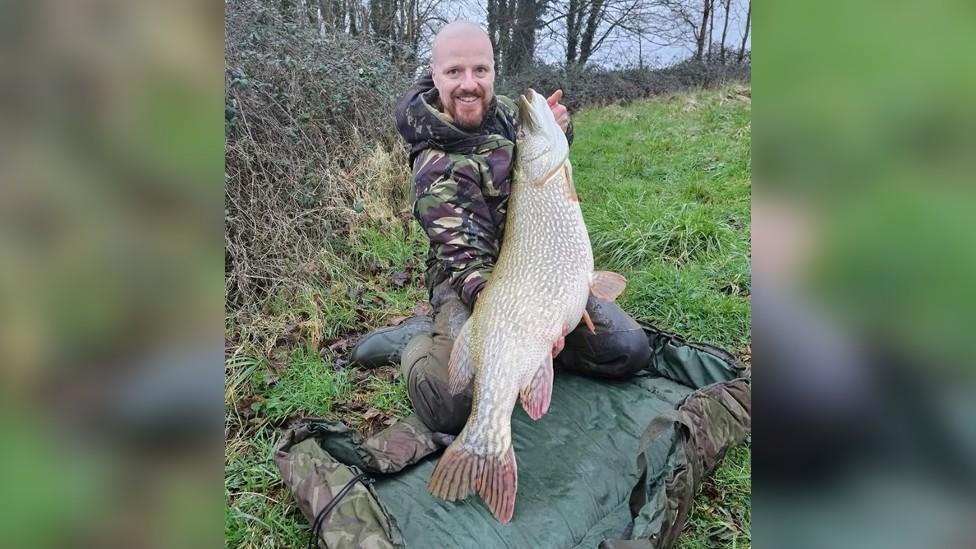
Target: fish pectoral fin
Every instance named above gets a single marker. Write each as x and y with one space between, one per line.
537 393
460 367
607 285
589 322
495 478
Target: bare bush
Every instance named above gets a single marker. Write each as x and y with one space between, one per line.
590 85
309 137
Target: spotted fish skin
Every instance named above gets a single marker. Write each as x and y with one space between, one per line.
537 294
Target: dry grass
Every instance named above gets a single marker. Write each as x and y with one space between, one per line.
311 158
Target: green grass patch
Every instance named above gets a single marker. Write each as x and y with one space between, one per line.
666 194
308 385
722 515
389 397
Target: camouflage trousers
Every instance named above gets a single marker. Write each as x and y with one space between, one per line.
617 350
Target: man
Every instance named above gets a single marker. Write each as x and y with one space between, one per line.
462 146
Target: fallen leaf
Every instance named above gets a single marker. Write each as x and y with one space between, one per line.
396 320
399 279
371 413
278 362
246 407
340 346
423 309
360 375
389 421
354 293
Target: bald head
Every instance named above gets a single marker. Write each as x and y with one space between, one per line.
459 34
464 72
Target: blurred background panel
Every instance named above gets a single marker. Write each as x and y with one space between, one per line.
864 263
111 272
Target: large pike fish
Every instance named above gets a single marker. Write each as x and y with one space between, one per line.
536 295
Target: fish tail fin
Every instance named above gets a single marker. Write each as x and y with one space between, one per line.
537 393
495 478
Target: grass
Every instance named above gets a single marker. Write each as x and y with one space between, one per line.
665 189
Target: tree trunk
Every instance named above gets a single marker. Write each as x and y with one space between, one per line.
353 30
573 30
725 29
711 27
593 19
522 46
640 50
700 39
498 25
742 48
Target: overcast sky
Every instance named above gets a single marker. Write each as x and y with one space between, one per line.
626 50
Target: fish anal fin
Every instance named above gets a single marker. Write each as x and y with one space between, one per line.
537 393
559 346
607 285
460 367
495 478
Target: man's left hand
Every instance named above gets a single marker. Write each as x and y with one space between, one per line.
558 109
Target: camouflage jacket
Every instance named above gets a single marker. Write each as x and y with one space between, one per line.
461 184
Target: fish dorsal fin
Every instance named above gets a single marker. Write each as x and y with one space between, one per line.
460 367
537 393
607 285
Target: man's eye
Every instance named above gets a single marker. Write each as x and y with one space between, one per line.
482 70
452 72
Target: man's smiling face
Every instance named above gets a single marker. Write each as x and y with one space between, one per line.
464 73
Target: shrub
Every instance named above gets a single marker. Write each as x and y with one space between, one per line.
584 86
309 139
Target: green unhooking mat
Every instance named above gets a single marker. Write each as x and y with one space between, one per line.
611 465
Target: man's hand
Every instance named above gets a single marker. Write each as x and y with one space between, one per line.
558 109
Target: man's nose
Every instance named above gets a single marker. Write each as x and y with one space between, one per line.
469 82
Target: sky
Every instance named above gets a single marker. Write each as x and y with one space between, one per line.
626 51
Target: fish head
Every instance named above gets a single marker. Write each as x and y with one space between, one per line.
541 143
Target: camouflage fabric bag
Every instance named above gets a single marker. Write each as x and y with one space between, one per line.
632 455
335 498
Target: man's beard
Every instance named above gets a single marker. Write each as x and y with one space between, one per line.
470 123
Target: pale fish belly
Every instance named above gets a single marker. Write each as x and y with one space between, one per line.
549 260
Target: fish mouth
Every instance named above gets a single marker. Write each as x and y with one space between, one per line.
527 109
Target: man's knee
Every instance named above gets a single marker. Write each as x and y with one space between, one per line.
621 354
432 400
618 350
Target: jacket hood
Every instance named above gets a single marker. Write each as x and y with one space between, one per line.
423 126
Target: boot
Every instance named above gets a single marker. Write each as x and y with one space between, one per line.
384 346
